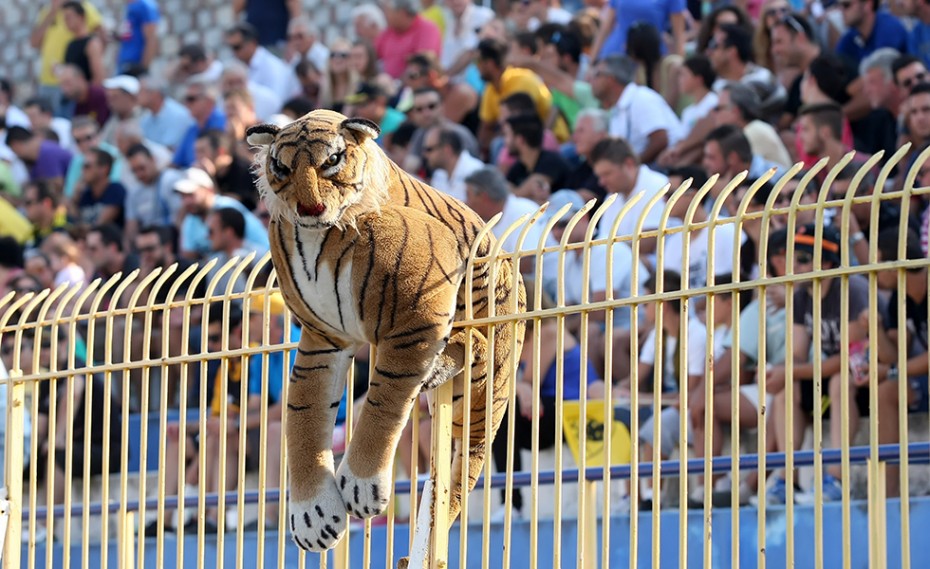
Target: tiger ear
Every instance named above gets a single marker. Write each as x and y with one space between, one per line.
261 134
363 127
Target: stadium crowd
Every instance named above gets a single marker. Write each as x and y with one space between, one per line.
122 158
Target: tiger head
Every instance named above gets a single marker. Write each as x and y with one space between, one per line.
323 170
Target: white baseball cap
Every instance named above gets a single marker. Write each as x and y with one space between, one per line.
193 179
127 83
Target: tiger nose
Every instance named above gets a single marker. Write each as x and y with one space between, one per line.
312 211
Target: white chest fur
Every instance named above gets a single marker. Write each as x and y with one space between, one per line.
324 280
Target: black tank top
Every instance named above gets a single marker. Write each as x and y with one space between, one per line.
76 54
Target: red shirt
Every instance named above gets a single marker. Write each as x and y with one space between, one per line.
394 47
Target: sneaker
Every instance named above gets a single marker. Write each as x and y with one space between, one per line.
777 494
832 491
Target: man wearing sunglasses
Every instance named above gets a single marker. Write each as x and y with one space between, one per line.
869 29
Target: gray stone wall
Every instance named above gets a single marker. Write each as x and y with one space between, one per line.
183 21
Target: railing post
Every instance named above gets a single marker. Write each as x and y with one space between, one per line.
589 520
877 517
12 547
441 475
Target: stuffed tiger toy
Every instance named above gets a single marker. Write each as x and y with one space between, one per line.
367 254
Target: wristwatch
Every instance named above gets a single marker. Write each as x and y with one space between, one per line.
856 237
893 373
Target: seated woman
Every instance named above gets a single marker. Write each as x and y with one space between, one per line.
542 333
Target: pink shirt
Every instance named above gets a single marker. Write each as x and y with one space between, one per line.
394 47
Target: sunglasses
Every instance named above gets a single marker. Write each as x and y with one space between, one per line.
780 10
413 75
845 5
804 258
215 338
428 149
713 44
149 249
83 139
915 80
191 99
235 46
426 107
339 55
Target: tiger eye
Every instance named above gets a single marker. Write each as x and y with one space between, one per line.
333 159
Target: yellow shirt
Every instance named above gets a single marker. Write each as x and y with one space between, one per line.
434 14
13 224
515 80
56 41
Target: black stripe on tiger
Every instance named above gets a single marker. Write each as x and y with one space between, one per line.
394 375
336 270
368 273
286 272
400 257
322 352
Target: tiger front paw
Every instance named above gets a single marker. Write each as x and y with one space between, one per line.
364 497
319 523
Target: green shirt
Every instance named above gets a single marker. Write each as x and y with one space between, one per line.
570 106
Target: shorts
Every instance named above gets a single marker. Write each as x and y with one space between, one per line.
79 455
670 418
751 394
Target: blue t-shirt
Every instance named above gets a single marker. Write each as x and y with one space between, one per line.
184 155
132 40
888 32
270 18
276 373
629 12
90 208
195 234
918 42
571 370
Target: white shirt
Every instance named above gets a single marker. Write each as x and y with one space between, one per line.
621 282
16 117
697 351
211 74
473 18
695 112
62 128
639 112
515 208
454 185
266 101
724 244
268 70
649 183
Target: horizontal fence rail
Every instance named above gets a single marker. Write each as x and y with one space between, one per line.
744 350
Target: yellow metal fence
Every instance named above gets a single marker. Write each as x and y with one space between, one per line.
133 360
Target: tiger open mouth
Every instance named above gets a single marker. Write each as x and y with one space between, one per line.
310 211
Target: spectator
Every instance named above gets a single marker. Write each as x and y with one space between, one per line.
617 19
540 359
39 267
523 135
314 86
87 99
426 113
463 21
727 152
639 115
459 98
407 33
193 62
559 66
235 77
591 127
138 37
106 252
43 121
51 37
163 120
85 50
730 53
232 172
619 171
739 105
502 81
695 78
101 200
794 45
198 194
152 202
86 135
265 68
269 19
123 99
488 194
917 120
239 108
64 254
363 59
658 72
11 263
918 40
201 100
833 296
128 134
908 71
371 102
821 129
449 160
303 42
869 29
42 207
343 79
226 232
46 160
368 22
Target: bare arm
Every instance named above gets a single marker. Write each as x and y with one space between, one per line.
38 32
94 53
608 18
150 31
553 77
658 141
238 6
678 33
858 106
485 136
